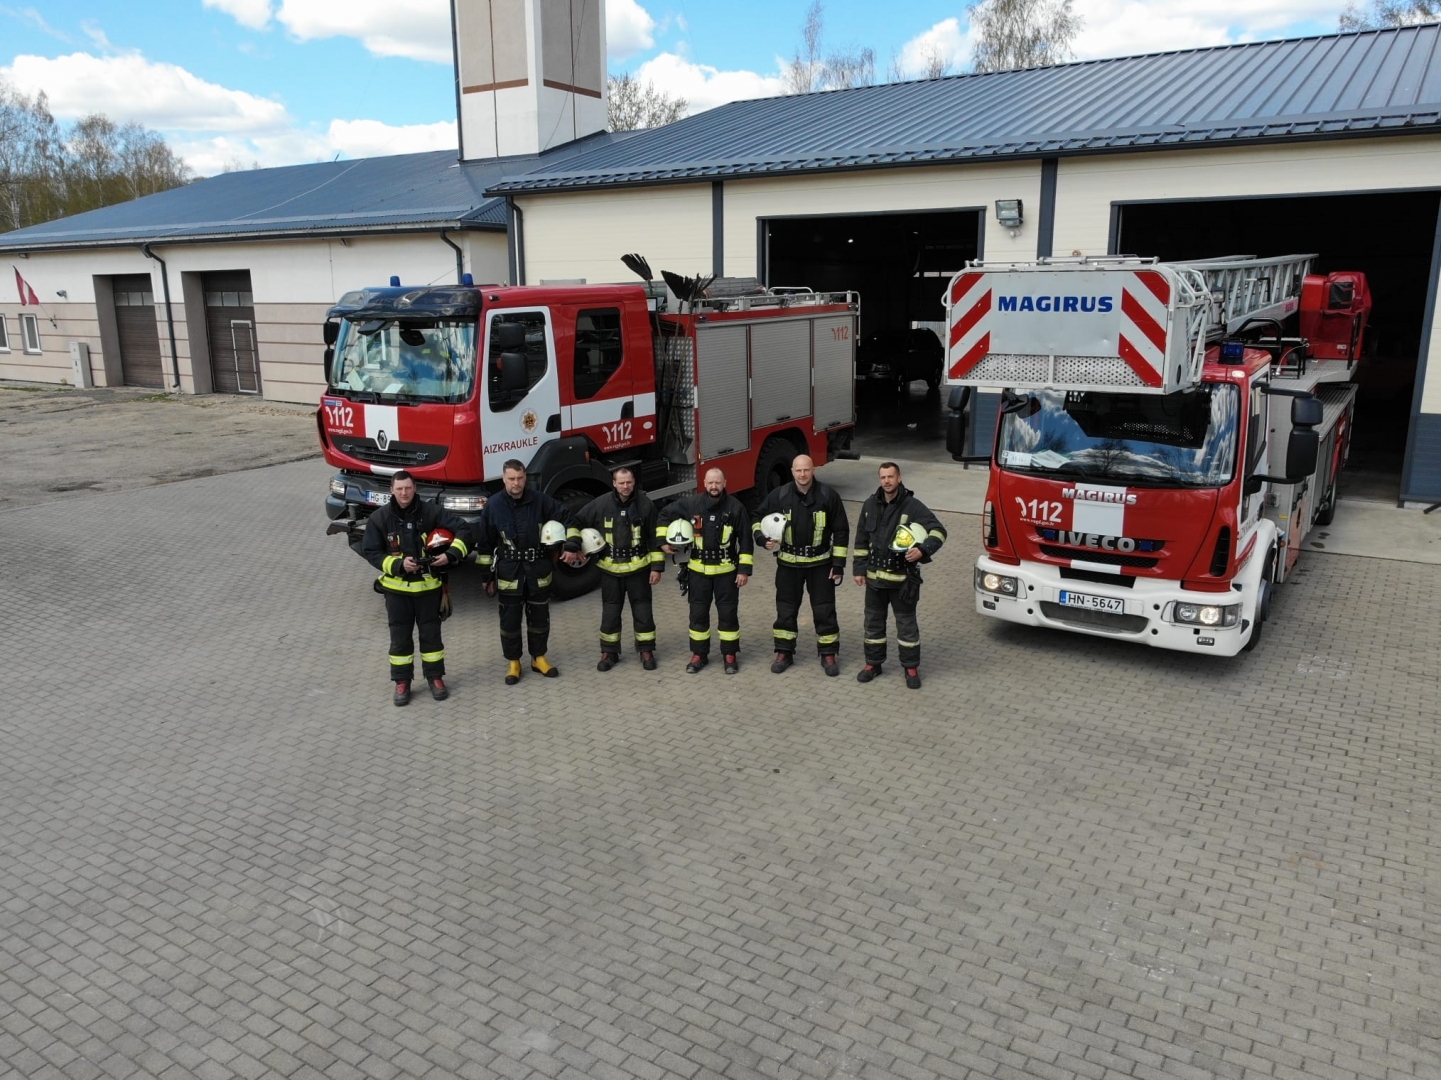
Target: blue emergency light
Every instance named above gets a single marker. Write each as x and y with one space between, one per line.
467 279
1233 350
395 281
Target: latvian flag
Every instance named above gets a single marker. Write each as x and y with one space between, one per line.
27 294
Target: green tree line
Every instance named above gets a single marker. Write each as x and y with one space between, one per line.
49 171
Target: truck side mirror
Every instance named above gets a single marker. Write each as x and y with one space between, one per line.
1302 449
956 422
331 331
329 362
1305 411
510 374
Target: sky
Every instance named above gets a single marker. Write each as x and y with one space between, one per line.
238 83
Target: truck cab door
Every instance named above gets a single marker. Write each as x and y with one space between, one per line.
520 389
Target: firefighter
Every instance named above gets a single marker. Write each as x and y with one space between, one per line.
720 565
397 543
515 564
810 555
630 563
895 534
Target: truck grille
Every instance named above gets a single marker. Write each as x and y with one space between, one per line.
1109 558
1094 620
397 455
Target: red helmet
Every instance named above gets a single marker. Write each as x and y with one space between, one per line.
439 540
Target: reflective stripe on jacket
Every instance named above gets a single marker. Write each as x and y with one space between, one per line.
817 528
876 528
723 543
393 534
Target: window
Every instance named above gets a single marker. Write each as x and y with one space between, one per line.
598 350
4 335
1256 431
516 338
30 327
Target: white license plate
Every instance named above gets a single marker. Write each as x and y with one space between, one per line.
377 498
1093 603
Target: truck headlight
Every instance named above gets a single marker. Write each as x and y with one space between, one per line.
1211 615
337 486
463 503
996 583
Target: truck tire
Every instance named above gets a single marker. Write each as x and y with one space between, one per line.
1263 601
773 466
1328 510
570 582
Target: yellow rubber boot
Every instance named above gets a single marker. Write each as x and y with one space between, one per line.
512 673
544 666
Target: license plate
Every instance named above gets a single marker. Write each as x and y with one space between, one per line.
1093 603
377 498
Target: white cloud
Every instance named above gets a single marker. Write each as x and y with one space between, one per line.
130 87
252 13
705 87
944 41
372 138
415 29
629 29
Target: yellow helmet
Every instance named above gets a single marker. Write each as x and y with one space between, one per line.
908 536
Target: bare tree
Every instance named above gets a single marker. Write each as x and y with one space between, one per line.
935 64
635 105
806 70
812 69
1379 14
46 173
1022 33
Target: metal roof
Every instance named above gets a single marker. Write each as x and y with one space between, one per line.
391 194
1385 82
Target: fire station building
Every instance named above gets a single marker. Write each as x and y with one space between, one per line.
1328 145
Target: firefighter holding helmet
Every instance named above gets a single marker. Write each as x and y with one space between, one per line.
514 540
721 559
619 529
895 534
407 540
804 523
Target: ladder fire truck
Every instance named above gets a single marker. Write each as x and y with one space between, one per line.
449 382
1164 444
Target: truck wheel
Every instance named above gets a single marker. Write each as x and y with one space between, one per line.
773 466
1263 601
572 581
933 380
1328 511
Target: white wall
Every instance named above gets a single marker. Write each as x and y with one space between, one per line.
294 281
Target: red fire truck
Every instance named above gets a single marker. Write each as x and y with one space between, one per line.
448 382
1164 445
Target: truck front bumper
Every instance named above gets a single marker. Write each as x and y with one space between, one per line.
1148 612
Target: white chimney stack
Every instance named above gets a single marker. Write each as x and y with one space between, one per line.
531 74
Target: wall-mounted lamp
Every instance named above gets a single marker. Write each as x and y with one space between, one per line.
1008 213
62 294
23 254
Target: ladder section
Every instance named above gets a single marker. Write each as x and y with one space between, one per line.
1249 288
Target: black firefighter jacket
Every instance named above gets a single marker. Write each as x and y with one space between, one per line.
817 528
884 568
723 542
392 533
629 528
507 538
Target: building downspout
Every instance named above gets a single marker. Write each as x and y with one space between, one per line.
515 236
169 314
459 258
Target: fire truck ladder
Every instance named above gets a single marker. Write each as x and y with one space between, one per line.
1246 288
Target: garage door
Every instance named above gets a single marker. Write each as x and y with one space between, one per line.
230 324
140 363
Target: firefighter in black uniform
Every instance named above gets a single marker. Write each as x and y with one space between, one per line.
631 564
395 544
516 565
810 557
895 534
720 564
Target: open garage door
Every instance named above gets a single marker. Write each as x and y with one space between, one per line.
899 264
1386 236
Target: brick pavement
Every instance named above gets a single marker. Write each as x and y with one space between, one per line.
224 854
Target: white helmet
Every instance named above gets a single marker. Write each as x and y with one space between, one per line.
551 533
908 536
773 526
680 533
591 541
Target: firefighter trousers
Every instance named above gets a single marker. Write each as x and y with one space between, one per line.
615 589
725 593
533 602
414 610
792 582
908 633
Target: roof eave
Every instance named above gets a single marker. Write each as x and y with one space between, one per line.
325 233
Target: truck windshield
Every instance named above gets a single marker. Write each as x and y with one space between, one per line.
1187 438
409 359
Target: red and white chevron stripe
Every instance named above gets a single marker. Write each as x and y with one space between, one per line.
970 338
1142 340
